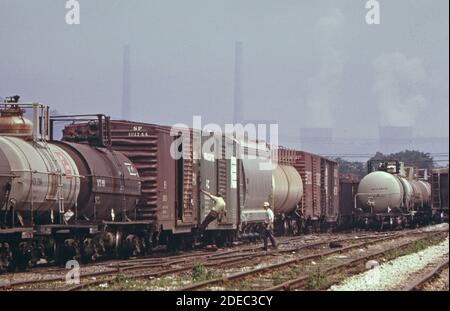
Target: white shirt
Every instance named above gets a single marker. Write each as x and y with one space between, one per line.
269 216
219 204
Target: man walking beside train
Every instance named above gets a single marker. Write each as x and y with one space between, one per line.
267 230
218 210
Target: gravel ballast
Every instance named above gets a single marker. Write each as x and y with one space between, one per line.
389 275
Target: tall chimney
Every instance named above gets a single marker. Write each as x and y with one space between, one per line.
126 106
238 107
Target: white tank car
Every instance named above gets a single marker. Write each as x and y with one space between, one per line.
36 176
287 189
380 191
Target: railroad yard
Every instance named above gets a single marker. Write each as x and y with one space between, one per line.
224 154
415 259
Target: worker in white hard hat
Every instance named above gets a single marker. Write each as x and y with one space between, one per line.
267 230
218 209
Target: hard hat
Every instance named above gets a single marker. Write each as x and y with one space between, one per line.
266 204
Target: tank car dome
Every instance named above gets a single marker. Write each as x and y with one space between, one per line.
381 191
13 123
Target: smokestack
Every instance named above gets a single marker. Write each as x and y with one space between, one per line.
126 106
238 107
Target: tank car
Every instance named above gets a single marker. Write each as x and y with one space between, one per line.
59 200
38 180
388 197
287 189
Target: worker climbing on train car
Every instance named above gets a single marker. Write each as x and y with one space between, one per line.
218 210
267 230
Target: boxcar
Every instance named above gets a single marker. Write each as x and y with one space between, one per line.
219 172
348 187
439 194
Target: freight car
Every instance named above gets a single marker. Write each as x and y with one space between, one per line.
231 166
439 194
348 188
390 198
54 196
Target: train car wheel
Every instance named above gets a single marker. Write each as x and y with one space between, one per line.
7 251
89 250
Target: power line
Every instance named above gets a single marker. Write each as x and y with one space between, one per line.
372 154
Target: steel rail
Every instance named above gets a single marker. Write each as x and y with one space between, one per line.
423 279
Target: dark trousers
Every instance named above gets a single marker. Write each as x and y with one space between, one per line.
267 233
212 215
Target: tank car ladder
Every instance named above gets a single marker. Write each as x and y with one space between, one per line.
436 186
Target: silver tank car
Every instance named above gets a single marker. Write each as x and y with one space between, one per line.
257 179
287 189
34 176
281 185
383 192
37 176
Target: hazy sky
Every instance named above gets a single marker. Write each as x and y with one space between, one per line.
306 63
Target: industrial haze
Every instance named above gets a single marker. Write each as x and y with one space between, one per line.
312 65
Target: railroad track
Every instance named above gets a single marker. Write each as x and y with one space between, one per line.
47 268
156 267
215 261
299 281
422 280
109 268
52 268
151 262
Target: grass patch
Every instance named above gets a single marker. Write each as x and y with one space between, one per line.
200 273
279 277
315 280
414 247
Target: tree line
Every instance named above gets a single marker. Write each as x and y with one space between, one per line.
414 158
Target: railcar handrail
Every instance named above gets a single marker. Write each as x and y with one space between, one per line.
103 131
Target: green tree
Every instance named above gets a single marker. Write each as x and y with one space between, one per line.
409 157
351 167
